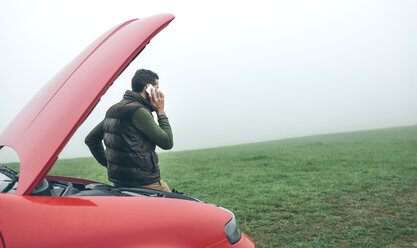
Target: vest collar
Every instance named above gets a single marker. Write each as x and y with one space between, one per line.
133 96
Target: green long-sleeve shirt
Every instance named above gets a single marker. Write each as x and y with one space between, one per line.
160 135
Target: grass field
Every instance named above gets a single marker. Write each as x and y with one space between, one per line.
342 190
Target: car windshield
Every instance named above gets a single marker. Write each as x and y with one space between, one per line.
8 180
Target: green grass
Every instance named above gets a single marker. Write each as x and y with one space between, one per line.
342 190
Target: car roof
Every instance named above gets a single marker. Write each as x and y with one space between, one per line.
44 126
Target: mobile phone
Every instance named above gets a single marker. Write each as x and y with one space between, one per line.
149 89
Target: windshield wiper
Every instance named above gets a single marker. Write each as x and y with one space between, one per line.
12 174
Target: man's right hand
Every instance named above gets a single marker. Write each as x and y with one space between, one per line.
158 101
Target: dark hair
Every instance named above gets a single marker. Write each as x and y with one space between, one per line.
143 77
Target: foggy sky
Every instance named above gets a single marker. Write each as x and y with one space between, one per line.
232 71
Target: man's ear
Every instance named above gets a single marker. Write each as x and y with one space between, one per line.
146 86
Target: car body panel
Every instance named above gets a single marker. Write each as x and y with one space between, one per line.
110 222
70 179
44 126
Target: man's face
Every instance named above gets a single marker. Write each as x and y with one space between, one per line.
156 86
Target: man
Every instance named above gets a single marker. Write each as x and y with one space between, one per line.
131 135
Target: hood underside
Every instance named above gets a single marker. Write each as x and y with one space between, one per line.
42 129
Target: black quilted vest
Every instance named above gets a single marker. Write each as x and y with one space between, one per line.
131 157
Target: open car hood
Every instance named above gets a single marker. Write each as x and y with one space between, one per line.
41 130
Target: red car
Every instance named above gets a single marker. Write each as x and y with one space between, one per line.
42 211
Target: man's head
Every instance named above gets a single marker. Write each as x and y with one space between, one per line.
144 77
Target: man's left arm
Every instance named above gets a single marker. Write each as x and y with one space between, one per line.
95 144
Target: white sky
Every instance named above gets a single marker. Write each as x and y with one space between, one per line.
232 71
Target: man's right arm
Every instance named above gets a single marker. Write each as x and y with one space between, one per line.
160 135
94 142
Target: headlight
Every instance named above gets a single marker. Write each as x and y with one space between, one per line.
232 231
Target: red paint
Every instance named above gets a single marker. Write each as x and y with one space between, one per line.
36 221
70 179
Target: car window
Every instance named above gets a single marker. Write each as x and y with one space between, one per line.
9 167
9 157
